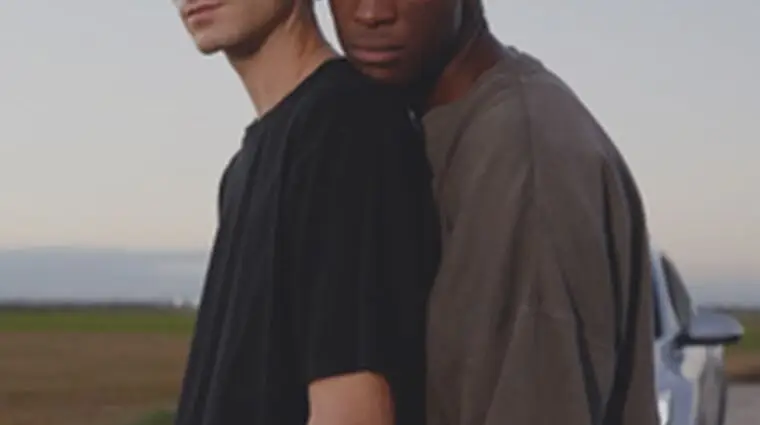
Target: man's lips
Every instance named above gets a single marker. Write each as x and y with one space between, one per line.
375 55
200 9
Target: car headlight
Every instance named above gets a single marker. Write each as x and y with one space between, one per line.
664 407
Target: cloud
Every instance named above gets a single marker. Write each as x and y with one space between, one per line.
100 274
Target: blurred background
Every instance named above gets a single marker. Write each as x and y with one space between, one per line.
114 132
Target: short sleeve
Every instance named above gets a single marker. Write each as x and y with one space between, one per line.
368 244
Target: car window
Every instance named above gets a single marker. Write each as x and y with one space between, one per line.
679 295
656 307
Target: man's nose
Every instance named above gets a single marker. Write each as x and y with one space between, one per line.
373 13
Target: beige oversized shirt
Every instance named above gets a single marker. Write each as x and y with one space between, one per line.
542 310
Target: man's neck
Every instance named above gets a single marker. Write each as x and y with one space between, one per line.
290 54
479 53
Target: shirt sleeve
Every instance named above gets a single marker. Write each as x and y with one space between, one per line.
368 244
547 238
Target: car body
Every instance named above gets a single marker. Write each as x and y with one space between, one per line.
689 345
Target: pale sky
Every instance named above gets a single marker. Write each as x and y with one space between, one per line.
114 130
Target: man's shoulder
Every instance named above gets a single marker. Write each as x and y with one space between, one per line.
346 96
552 129
521 116
347 115
526 105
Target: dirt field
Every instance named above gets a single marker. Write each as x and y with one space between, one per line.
81 375
113 368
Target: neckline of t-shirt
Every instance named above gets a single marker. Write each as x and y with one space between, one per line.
296 92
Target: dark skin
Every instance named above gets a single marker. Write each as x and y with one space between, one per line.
435 48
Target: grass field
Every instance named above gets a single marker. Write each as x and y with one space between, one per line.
127 320
124 366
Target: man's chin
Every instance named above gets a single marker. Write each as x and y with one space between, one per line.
384 75
208 45
209 49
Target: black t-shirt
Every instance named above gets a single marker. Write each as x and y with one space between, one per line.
326 249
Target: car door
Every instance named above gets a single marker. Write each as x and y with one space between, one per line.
699 365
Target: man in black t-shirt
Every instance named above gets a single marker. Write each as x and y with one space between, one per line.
314 304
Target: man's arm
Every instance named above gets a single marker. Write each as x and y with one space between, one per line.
355 398
371 236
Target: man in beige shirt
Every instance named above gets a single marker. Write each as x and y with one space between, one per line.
541 311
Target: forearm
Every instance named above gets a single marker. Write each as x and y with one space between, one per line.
362 398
